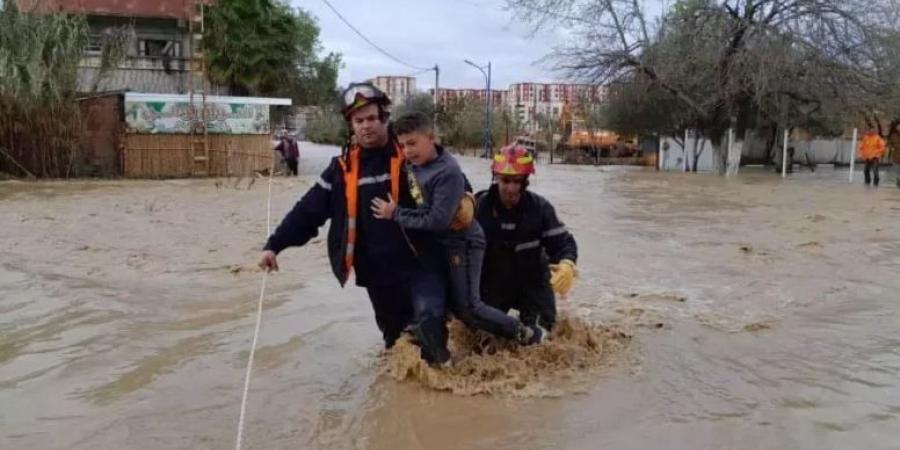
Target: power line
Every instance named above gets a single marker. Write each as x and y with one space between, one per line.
383 51
420 72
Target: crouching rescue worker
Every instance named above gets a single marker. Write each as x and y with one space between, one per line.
382 256
530 254
444 208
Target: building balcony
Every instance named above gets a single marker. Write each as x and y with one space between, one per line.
141 63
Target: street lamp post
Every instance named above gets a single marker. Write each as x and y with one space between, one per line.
488 101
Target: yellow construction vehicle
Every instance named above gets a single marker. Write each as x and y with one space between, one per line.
582 146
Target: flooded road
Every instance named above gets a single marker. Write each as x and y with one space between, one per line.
763 315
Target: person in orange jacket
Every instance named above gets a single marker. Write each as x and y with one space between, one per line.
894 145
871 150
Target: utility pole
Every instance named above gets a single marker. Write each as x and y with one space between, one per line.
487 112
488 138
437 96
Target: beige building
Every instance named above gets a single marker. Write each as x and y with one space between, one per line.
526 101
498 97
398 88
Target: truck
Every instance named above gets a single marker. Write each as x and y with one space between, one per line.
579 145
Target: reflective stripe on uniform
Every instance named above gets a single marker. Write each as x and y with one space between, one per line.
555 232
372 180
350 167
528 245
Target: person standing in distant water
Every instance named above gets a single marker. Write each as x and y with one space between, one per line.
871 150
894 145
290 152
665 155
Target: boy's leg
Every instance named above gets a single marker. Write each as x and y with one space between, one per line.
466 257
866 172
393 310
498 287
428 290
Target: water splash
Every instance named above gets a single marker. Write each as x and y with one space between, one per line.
486 365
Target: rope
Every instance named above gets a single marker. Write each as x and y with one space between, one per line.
259 310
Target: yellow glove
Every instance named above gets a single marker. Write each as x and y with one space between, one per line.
465 213
562 276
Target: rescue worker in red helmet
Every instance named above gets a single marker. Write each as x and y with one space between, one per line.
530 253
380 253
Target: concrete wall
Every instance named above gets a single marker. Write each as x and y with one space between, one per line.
821 151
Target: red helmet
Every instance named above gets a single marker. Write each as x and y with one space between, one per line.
513 160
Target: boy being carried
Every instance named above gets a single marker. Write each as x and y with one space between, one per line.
438 186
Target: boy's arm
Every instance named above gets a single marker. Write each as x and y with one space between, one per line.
303 221
468 186
446 193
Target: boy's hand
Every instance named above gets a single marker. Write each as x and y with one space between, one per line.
383 209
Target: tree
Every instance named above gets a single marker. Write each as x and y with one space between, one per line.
505 127
263 47
114 50
316 81
818 55
461 122
40 122
327 127
419 102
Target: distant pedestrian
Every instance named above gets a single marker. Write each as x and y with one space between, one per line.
789 161
871 150
894 145
665 155
290 152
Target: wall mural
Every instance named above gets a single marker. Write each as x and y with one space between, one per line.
176 117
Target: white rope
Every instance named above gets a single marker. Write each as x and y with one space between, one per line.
259 310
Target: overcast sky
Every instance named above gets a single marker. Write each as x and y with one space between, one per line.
428 32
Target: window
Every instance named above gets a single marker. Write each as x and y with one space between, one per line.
94 45
156 48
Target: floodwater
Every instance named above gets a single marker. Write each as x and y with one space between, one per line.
745 313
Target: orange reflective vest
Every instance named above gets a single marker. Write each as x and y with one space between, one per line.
350 168
871 147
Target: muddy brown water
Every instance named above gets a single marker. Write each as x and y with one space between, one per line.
763 315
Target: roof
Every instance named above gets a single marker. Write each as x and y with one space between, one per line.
172 9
